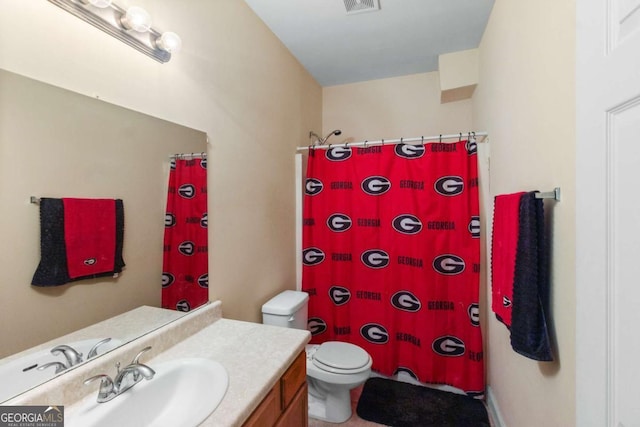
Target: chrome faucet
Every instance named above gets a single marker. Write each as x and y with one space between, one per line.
69 353
126 378
131 375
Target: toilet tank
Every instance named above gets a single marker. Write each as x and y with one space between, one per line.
288 309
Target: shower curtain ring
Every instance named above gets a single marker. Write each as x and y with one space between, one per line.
401 138
382 142
440 138
422 139
460 137
345 144
365 143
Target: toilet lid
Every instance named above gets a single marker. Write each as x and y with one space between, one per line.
337 356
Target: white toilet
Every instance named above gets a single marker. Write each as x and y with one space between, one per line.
333 368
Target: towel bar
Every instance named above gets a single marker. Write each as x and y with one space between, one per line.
555 194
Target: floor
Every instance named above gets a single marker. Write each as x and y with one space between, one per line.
355 420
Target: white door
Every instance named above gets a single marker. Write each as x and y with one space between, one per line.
608 213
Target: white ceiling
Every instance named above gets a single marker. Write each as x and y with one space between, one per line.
403 37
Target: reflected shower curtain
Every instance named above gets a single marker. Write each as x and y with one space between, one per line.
185 278
391 257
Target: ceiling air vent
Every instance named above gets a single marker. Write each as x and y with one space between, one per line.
359 6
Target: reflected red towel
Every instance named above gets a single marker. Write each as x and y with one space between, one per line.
504 245
90 236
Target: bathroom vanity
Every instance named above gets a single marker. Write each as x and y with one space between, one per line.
286 403
265 365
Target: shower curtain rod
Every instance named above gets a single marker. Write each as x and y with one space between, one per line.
188 156
419 139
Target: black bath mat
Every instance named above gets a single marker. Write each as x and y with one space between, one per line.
399 404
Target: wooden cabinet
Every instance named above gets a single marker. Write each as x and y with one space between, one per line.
286 403
297 413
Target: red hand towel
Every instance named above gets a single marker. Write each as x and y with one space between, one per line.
504 245
90 236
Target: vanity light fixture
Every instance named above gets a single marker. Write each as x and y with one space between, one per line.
131 26
98 3
169 42
136 19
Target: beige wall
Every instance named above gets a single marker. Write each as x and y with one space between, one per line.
526 101
233 80
392 108
57 143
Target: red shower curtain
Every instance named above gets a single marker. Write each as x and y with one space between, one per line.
391 257
185 278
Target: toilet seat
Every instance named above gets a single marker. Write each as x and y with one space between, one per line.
341 358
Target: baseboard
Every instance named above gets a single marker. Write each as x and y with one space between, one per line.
494 409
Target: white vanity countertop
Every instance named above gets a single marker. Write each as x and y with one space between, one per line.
254 355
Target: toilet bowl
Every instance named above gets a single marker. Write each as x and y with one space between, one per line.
333 368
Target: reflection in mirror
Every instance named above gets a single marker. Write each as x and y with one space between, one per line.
27 369
57 143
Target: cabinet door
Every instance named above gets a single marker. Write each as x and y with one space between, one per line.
293 379
296 414
268 412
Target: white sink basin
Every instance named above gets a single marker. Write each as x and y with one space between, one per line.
21 374
183 393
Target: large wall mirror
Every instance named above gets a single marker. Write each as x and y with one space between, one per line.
57 143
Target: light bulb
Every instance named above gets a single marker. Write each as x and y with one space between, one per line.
136 19
169 42
102 4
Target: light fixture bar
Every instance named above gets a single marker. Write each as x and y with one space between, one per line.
114 29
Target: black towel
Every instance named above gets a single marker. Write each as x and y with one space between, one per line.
52 269
529 332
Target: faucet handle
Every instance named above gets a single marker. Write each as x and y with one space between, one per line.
59 366
94 350
136 360
107 390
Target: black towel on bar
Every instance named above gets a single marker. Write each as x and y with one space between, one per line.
52 269
529 332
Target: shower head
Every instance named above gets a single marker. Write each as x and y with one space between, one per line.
320 141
